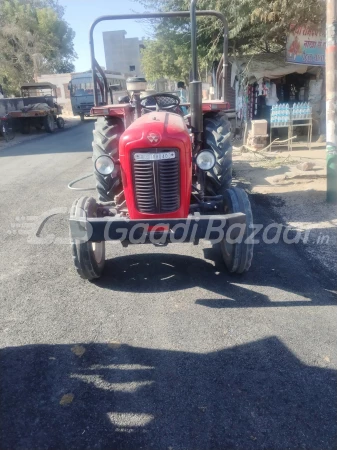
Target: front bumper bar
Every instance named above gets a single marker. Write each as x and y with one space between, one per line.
189 229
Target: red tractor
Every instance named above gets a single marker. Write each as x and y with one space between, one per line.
161 177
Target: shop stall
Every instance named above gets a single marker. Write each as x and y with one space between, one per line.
289 97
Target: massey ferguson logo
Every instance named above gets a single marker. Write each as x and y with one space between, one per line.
154 138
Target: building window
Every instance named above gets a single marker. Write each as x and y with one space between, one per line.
132 68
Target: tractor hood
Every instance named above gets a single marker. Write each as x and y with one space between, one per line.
156 129
156 186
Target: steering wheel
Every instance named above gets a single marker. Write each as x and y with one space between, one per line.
160 102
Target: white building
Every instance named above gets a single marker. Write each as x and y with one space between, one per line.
122 54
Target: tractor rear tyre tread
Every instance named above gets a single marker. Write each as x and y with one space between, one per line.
85 261
240 256
60 123
217 137
106 139
49 123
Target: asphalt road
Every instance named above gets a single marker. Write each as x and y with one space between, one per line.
166 351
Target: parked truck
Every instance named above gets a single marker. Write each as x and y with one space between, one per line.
40 109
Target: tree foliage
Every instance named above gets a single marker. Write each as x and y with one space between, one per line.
255 26
33 36
166 58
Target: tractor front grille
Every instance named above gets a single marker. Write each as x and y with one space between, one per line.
156 183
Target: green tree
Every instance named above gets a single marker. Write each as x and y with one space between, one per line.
255 26
166 58
33 36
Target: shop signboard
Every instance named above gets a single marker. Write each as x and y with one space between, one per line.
306 46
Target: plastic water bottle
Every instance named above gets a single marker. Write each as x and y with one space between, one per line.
274 112
282 115
274 116
287 114
286 111
277 115
308 110
302 111
294 111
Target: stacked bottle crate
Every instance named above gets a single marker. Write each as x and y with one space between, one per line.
282 114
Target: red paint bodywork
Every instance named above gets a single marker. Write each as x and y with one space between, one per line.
123 111
173 134
214 105
126 112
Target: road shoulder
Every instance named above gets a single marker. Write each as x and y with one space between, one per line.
293 184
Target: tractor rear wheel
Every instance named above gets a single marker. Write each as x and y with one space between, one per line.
49 123
238 256
60 123
106 139
89 257
217 137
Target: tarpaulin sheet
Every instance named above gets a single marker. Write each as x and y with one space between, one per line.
267 65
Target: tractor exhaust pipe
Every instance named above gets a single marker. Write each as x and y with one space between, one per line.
195 84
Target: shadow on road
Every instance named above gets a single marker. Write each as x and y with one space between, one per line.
160 272
254 396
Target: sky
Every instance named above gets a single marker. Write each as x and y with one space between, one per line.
81 13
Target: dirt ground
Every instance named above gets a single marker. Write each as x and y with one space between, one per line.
297 196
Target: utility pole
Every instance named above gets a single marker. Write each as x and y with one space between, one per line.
331 99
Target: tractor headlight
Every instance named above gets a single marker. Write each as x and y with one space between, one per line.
205 160
104 165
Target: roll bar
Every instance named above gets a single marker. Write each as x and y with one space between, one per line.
193 13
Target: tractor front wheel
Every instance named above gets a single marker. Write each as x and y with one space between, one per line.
89 257
106 139
238 253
